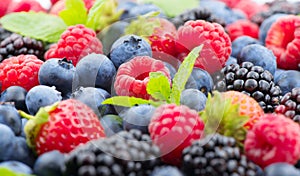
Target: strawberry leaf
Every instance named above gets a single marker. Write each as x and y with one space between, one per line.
40 26
183 74
128 101
75 12
158 86
7 172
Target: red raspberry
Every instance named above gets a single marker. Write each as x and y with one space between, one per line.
283 39
217 44
174 128
242 27
273 138
20 71
25 6
132 77
250 7
75 43
4 6
231 3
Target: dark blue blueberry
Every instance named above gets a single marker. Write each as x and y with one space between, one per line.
15 94
112 124
7 139
172 69
288 80
49 164
281 169
127 47
231 60
138 117
166 171
93 97
10 117
40 96
96 70
277 74
239 43
202 80
259 56
24 121
16 167
194 99
126 6
59 73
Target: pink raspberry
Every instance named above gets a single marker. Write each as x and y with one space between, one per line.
242 27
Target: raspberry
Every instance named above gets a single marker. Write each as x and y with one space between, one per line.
75 43
25 6
133 76
241 28
250 7
231 3
217 44
274 138
21 71
174 128
283 39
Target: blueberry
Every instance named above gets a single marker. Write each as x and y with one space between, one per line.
288 80
112 124
15 94
24 121
260 56
40 96
49 164
127 47
194 99
96 70
231 60
280 169
166 171
202 79
10 117
277 74
138 117
172 69
7 139
239 43
16 167
60 73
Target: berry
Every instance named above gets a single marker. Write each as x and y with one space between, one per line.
25 6
242 27
216 155
283 39
203 80
194 99
250 7
15 95
217 44
166 171
75 43
231 3
274 138
4 7
112 124
7 137
287 80
59 73
21 71
9 116
133 76
279 169
62 126
231 60
24 121
16 166
127 47
174 128
240 42
3 32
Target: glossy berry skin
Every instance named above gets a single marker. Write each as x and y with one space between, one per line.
16 166
240 42
60 73
231 60
112 124
166 171
9 116
202 79
194 99
15 94
96 70
40 96
49 164
6 141
288 80
279 169
127 47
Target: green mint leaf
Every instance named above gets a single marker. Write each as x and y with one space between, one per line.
75 12
40 26
174 7
183 74
158 86
128 101
7 172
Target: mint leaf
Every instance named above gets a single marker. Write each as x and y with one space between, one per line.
7 172
158 86
40 26
128 101
75 12
183 74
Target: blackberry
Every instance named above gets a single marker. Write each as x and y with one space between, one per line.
290 105
251 80
216 155
114 156
196 14
16 44
4 34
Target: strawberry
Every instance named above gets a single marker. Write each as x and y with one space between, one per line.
62 126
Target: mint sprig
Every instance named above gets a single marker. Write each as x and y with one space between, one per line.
128 101
75 12
159 86
7 172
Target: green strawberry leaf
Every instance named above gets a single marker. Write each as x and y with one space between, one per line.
174 7
128 101
183 74
158 86
40 26
6 172
75 12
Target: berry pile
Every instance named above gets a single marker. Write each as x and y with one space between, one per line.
128 88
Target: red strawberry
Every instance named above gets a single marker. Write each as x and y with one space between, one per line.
174 128
62 126
242 27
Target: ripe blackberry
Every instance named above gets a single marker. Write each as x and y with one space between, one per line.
290 105
196 14
114 156
16 44
216 155
4 34
251 80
